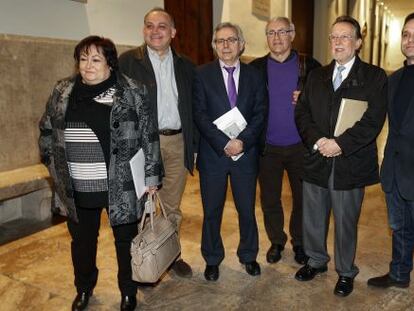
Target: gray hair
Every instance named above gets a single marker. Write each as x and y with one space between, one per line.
283 19
235 27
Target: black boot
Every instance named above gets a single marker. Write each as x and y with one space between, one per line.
128 303
81 301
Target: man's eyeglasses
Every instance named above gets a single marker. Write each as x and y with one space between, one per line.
341 38
231 40
279 33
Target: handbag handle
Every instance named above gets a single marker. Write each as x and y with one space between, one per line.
150 208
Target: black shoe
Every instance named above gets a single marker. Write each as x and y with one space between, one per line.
81 301
274 254
211 273
386 281
344 286
128 303
252 268
182 269
300 256
307 273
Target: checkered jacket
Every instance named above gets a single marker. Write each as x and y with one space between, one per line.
132 126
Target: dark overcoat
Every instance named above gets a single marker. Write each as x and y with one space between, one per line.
316 114
398 164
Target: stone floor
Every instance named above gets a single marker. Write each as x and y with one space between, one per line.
36 271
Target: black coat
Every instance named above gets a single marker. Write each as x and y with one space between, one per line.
316 114
136 64
398 161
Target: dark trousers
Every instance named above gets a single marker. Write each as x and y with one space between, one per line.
213 194
272 166
346 206
84 246
401 219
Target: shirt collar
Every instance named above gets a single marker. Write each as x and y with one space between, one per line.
347 69
154 54
347 66
291 55
237 64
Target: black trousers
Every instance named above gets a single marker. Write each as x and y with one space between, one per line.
84 246
272 166
213 194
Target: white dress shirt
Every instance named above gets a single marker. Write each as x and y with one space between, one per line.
167 94
344 72
236 74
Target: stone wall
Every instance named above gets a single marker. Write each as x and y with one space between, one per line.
29 68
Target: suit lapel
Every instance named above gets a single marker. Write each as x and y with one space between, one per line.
242 86
146 62
391 98
220 85
327 76
408 116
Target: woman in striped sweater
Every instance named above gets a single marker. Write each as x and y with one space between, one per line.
94 123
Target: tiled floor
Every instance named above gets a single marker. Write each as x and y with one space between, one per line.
36 271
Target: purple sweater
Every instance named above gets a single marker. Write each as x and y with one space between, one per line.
282 81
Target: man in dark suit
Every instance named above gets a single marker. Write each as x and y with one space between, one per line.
168 77
219 86
337 169
397 170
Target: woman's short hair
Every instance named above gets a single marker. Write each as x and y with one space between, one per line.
104 45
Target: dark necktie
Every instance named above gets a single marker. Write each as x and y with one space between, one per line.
231 86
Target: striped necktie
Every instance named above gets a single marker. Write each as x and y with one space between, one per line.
338 78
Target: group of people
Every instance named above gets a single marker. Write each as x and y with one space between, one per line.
155 99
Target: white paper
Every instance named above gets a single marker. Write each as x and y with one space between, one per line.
137 164
232 123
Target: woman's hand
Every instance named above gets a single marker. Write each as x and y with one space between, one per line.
152 189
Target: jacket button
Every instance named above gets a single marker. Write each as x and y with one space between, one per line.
116 124
115 151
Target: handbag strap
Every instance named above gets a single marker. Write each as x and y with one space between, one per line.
149 209
161 205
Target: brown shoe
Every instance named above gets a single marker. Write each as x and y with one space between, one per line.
182 269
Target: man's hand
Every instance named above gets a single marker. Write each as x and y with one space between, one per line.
295 97
328 147
233 147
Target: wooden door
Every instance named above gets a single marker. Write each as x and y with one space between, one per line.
194 23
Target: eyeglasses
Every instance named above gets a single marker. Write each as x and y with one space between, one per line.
279 33
231 40
342 38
